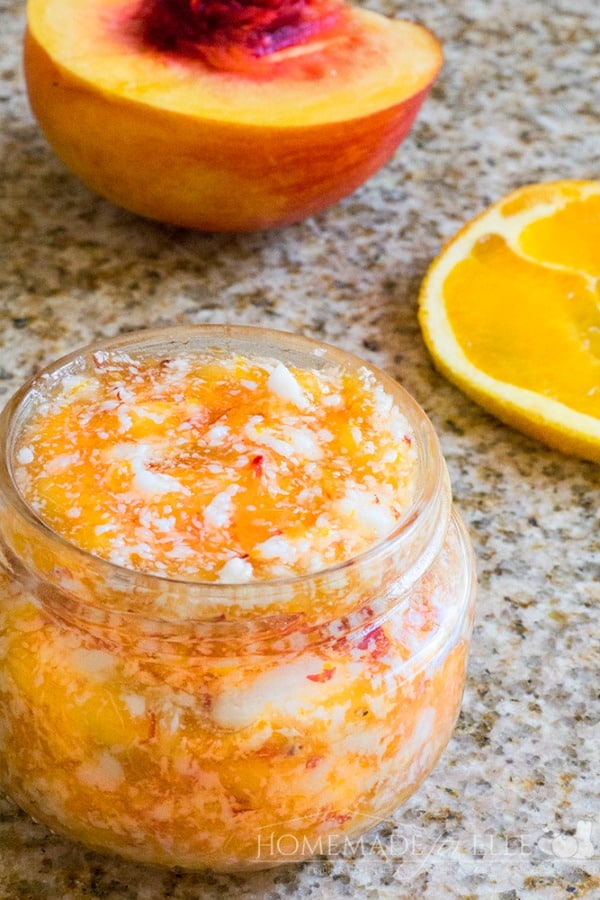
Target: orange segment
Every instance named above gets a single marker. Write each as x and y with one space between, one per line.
502 344
510 313
569 237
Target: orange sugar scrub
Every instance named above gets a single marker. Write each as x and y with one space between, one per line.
217 469
236 601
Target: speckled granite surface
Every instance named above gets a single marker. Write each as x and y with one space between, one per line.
513 808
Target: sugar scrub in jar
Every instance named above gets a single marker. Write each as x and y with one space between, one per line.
236 601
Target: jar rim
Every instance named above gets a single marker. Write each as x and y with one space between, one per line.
431 485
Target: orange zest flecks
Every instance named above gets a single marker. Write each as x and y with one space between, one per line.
218 469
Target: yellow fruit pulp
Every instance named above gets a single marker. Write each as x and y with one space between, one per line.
561 362
513 302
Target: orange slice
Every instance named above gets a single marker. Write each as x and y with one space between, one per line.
510 312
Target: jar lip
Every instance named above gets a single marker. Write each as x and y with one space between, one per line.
432 477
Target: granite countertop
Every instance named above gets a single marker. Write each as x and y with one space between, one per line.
513 808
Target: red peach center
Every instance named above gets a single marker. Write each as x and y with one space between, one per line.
225 32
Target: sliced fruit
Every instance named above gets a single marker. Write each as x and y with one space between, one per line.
239 120
510 312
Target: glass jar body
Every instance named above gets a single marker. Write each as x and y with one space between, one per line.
228 761
238 740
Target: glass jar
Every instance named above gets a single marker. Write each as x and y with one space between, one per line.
232 726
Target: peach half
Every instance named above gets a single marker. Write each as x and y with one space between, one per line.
224 115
